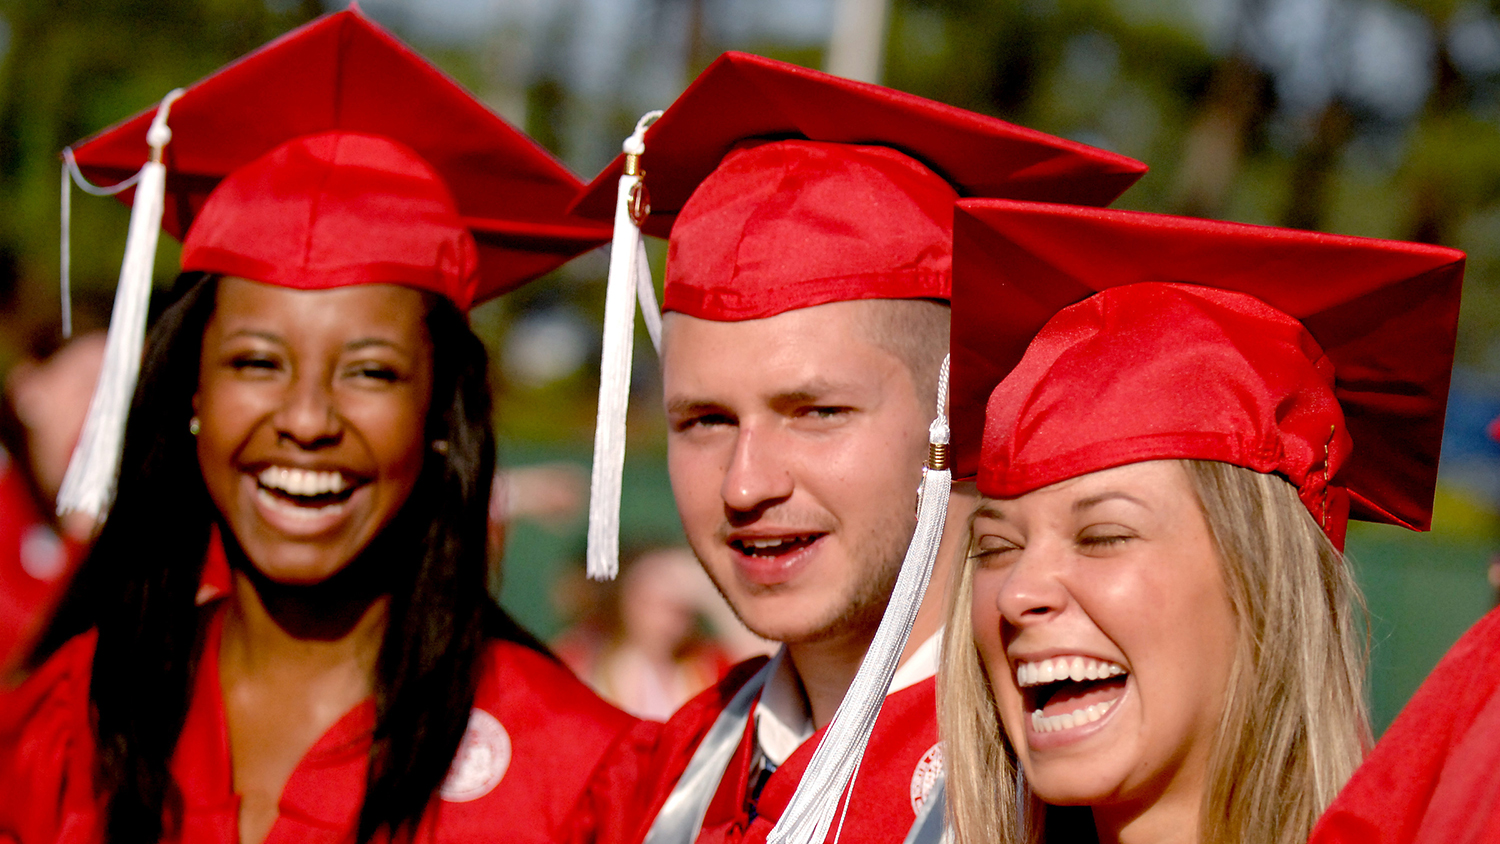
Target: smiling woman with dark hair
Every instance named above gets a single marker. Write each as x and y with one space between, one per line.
315 406
1155 637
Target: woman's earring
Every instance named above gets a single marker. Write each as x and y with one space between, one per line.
193 426
440 446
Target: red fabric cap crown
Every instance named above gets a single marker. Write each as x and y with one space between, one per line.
336 209
792 224
1152 371
1177 363
845 206
342 73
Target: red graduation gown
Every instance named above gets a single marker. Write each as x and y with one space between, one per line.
1435 774
35 565
535 736
898 770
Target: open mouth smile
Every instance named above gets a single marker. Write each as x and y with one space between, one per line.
1066 692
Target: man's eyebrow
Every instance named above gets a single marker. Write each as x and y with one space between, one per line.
687 406
811 390
1094 500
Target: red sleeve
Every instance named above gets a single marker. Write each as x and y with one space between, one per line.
47 751
600 816
1435 774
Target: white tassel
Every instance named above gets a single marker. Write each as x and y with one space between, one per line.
89 485
824 786
629 279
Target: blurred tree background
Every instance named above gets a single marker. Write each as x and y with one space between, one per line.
1365 117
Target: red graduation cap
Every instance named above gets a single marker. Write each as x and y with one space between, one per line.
332 156
346 157
1320 357
782 187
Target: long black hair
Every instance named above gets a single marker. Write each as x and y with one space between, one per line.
139 583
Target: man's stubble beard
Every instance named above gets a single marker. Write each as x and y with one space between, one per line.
861 609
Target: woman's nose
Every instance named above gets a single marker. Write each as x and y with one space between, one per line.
308 417
1033 590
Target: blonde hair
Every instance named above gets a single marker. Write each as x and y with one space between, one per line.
1295 723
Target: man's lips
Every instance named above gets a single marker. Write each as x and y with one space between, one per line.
771 559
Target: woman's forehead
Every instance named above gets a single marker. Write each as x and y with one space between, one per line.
385 311
1145 484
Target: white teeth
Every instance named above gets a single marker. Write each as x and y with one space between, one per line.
1068 720
297 511
302 481
1076 668
770 542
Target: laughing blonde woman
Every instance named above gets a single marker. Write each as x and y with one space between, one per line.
1155 636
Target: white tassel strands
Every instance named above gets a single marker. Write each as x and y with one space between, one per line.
629 280
89 485
825 784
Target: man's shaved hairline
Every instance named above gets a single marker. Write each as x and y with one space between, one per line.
916 332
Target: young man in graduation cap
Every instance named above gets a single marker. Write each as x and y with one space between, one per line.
806 296
316 399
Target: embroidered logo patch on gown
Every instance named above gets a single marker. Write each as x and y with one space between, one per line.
481 761
925 776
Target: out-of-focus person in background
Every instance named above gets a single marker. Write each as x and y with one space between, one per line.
551 494
316 406
657 636
45 398
1156 636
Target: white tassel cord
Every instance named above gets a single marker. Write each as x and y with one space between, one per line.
646 292
89 484
827 780
71 175
629 279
